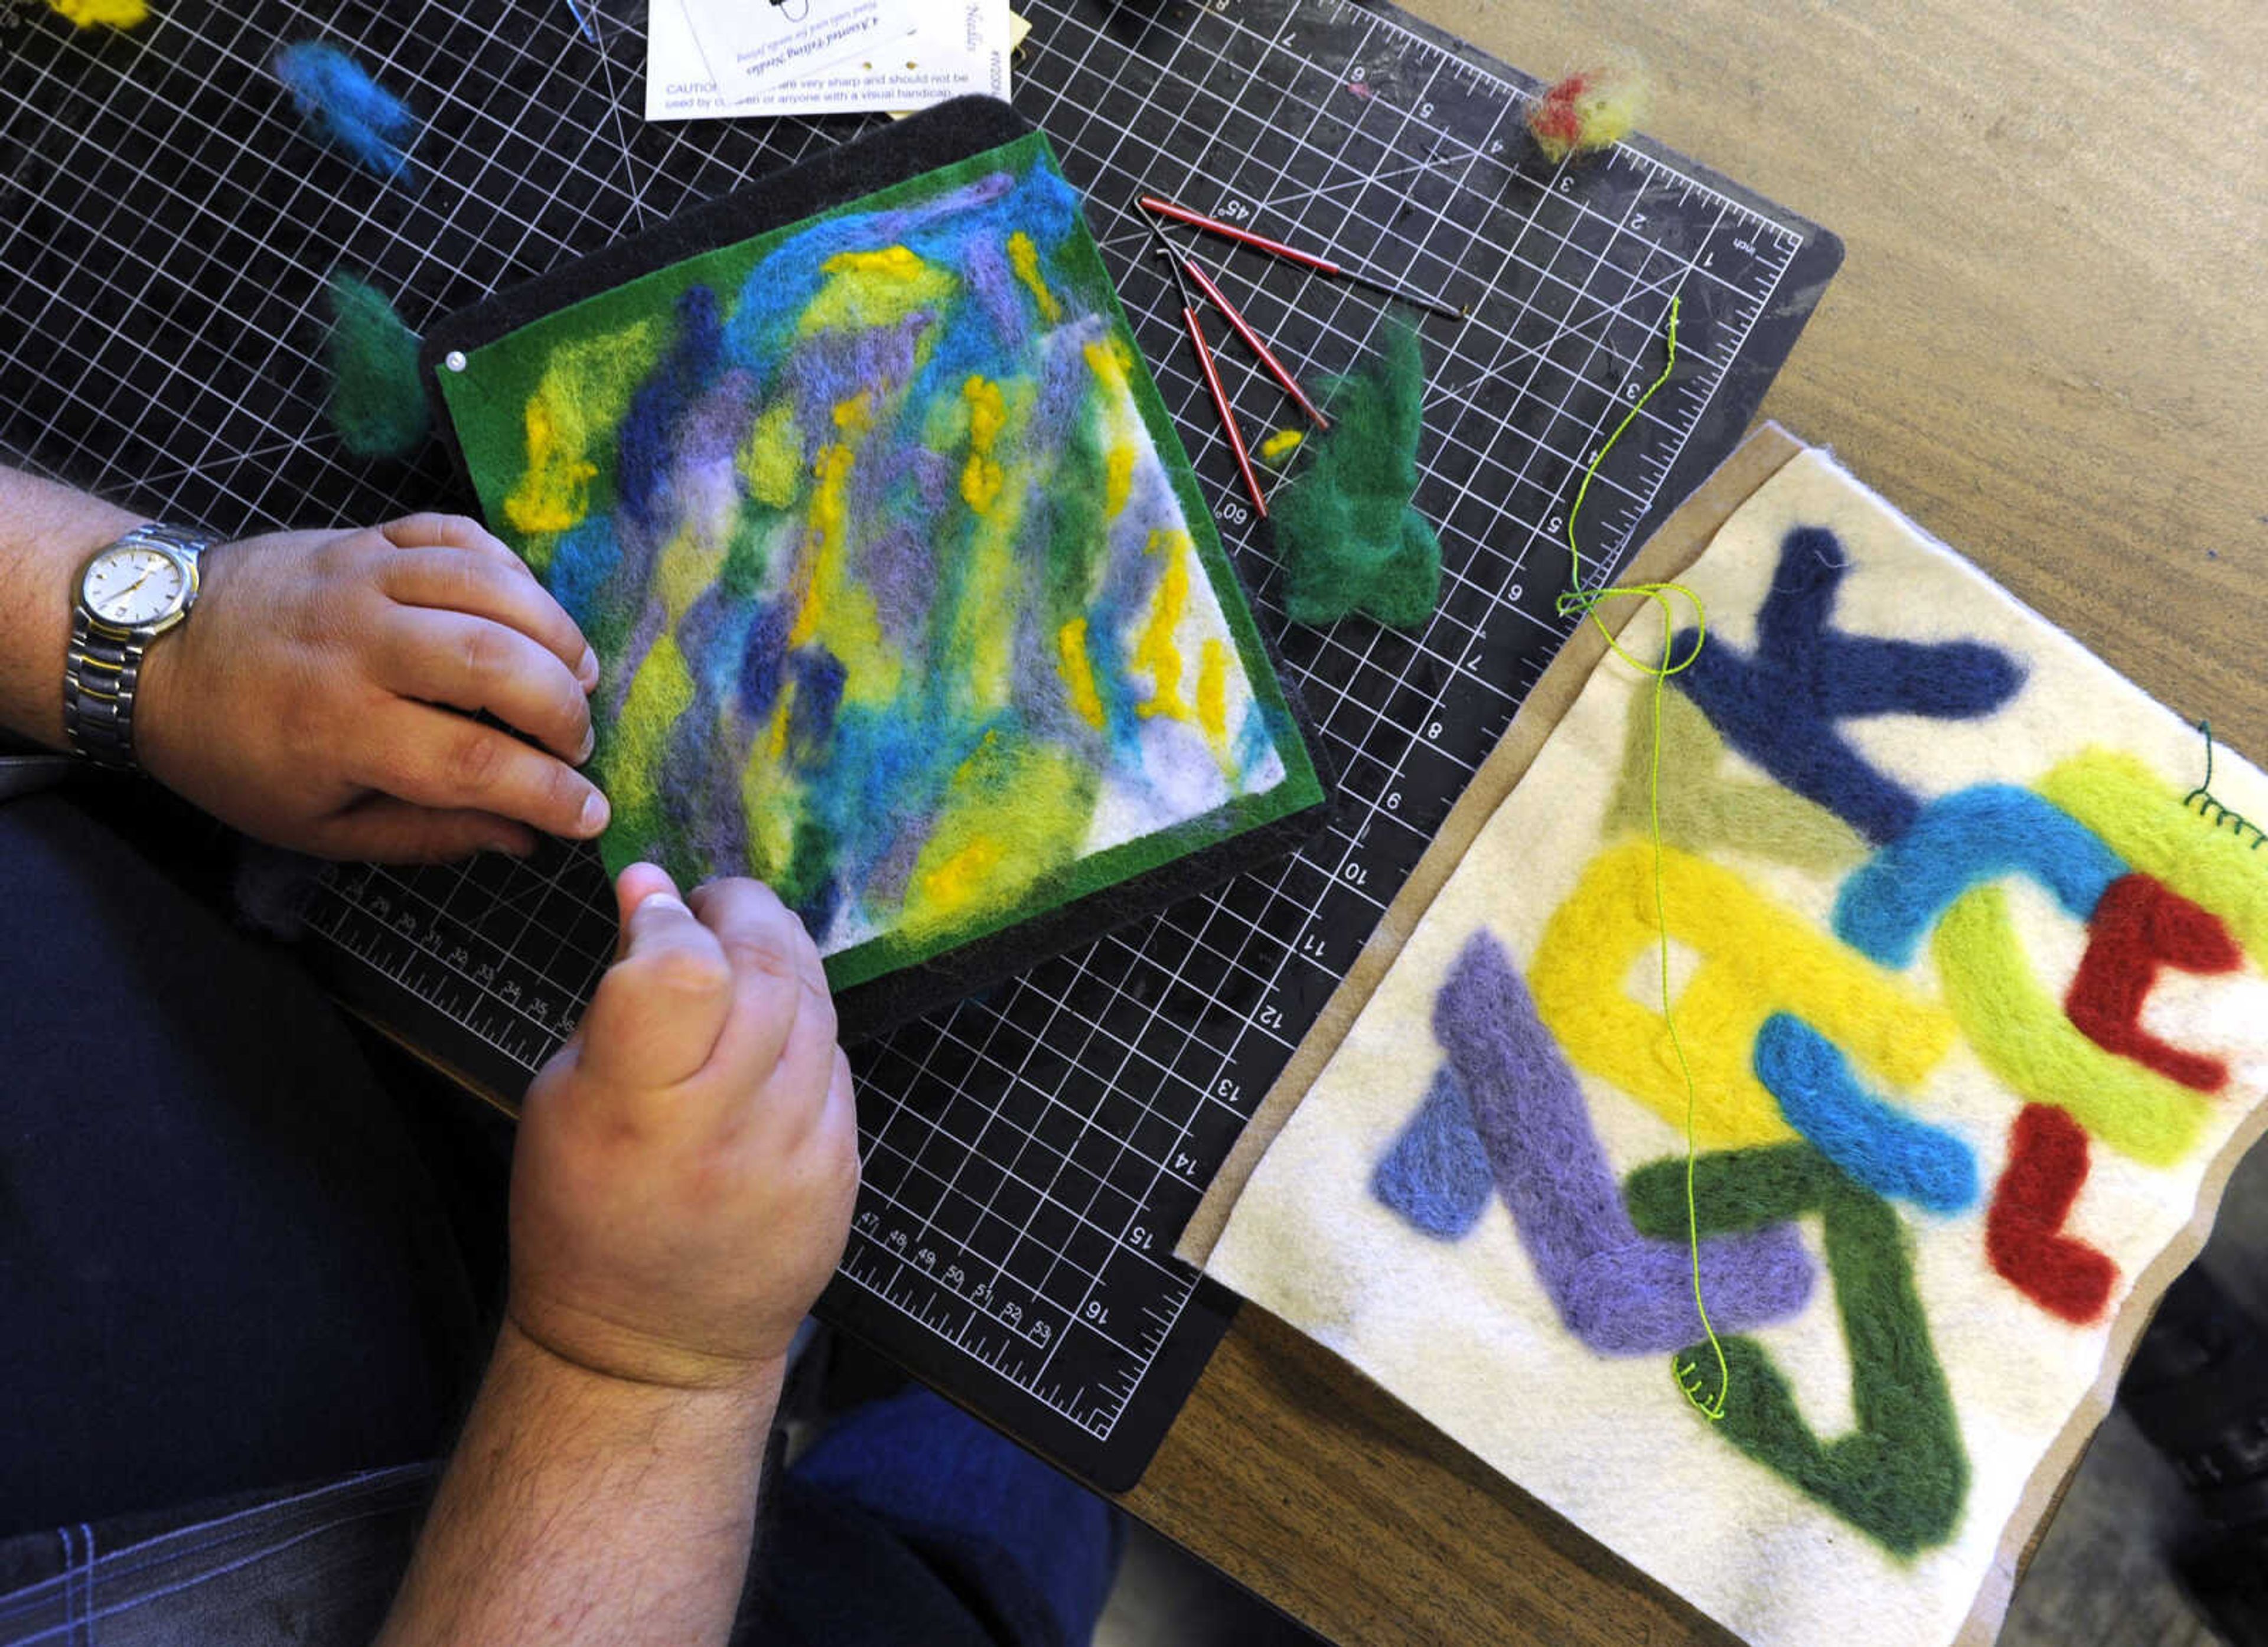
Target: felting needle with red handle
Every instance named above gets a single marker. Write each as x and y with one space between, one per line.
1212 375
1253 340
1321 264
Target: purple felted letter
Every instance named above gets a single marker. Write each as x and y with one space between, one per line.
1618 1291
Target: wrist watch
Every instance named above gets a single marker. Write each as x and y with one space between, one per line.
129 594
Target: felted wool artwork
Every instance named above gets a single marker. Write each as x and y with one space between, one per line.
905 600
1967 966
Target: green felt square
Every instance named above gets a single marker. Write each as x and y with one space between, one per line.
906 599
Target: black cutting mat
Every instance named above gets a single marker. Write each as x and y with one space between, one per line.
1031 1154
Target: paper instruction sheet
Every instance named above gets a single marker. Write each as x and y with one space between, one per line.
958 49
748 44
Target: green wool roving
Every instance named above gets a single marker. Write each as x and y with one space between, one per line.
377 403
1346 531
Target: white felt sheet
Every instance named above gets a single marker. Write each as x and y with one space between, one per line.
1461 1329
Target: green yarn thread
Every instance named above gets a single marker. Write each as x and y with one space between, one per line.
378 401
1345 529
1577 601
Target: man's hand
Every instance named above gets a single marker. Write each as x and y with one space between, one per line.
680 1192
683 1182
301 701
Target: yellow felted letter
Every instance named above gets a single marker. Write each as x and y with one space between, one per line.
2144 820
1756 959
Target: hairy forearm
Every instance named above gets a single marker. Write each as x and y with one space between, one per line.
582 1508
47 532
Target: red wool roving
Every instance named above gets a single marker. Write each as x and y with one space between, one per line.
2140 926
2023 1231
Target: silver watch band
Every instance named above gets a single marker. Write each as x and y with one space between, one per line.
103 670
99 686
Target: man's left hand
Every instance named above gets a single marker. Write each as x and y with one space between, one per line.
310 698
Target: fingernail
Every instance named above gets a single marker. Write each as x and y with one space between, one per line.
595 814
587 671
590 742
666 900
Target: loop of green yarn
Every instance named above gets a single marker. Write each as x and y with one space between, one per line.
1345 529
378 401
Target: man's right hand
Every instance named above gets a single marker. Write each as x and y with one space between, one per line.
680 1192
683 1181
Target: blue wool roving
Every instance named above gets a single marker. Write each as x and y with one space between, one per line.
346 107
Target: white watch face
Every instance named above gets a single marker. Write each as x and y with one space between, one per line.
132 586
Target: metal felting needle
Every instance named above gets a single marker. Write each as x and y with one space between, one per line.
1253 340
1160 206
1205 364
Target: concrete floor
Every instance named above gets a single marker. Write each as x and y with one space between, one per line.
2100 1575
1166 1596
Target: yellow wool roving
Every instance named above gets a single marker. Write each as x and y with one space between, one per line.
102 13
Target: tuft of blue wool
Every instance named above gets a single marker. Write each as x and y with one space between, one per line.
346 107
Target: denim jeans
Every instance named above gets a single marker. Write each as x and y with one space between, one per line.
910 1522
225 1268
312 1569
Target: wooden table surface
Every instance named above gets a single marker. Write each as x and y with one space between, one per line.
2047 346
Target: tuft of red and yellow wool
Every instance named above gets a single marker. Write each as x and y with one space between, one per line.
1590 110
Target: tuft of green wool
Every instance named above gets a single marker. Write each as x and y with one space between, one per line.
378 401
1345 529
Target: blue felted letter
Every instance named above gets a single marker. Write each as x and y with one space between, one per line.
1880 1148
1780 705
1973 836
